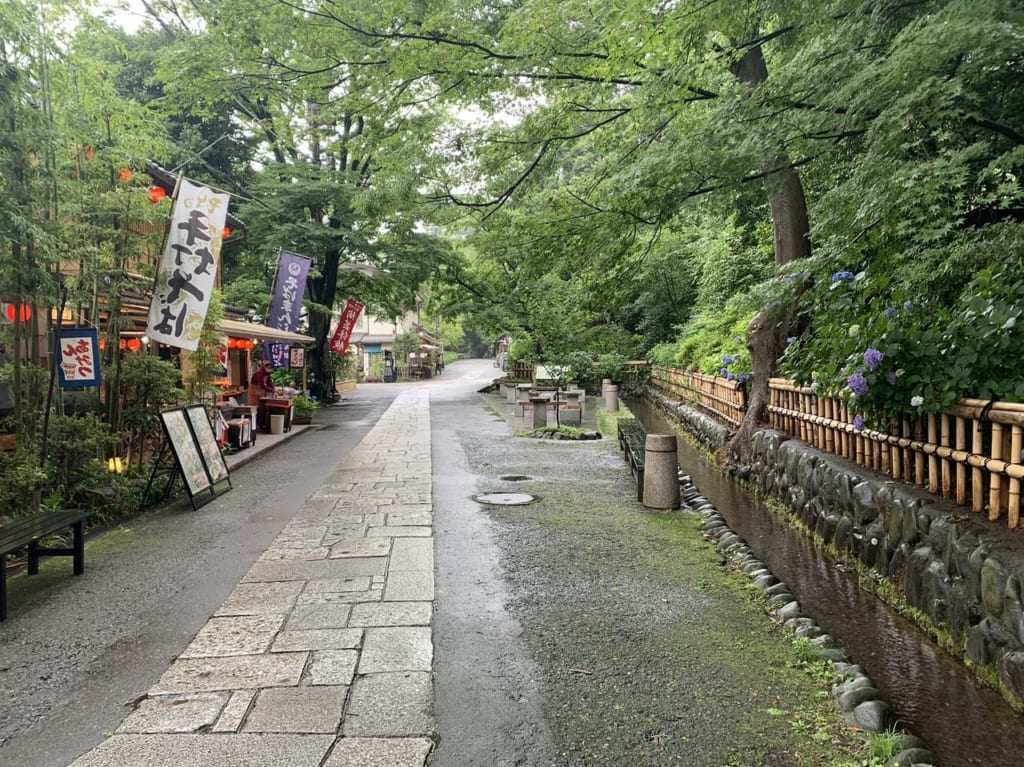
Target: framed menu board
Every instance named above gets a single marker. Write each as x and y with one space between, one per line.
191 439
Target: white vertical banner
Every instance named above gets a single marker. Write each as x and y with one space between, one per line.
188 266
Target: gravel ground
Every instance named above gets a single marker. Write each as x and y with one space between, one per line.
651 653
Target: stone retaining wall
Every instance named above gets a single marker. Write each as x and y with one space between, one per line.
964 573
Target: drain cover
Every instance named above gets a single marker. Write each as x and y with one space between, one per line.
505 499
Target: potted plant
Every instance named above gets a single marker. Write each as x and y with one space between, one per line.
303 408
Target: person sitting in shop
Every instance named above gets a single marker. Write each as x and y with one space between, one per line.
261 384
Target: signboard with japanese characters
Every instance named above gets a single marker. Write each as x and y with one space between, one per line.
347 321
286 303
79 358
187 268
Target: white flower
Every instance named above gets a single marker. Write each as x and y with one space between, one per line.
916 401
854 331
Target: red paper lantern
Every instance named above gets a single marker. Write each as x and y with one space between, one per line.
134 344
122 344
156 193
22 312
226 233
125 175
103 344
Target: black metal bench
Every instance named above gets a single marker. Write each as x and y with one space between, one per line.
632 439
29 531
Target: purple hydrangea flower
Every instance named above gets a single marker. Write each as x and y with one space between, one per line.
790 340
723 372
857 383
891 378
908 306
873 358
890 312
729 377
842 276
858 422
743 377
727 360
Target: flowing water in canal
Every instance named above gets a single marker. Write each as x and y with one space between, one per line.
935 697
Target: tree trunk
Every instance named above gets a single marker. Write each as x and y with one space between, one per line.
766 333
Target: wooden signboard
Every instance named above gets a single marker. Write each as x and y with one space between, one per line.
191 439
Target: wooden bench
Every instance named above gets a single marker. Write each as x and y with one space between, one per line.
29 531
632 439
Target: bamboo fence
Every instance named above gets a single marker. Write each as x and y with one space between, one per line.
721 399
970 453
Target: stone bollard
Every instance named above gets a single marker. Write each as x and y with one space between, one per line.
540 412
611 398
661 472
605 383
510 392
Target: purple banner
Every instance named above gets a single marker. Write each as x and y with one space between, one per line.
289 290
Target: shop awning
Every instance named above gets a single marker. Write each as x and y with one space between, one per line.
261 332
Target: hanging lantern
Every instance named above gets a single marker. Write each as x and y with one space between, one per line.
122 344
125 175
226 233
156 193
103 344
114 465
21 312
134 344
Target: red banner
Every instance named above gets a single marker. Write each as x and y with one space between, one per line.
347 321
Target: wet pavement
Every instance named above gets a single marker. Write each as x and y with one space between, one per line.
385 617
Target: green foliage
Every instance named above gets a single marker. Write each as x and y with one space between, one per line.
303 406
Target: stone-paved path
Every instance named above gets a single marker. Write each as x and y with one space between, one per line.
322 655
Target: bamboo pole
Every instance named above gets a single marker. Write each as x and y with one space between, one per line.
977 480
995 481
961 470
933 461
1013 499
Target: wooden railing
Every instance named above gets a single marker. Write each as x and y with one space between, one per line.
970 453
721 399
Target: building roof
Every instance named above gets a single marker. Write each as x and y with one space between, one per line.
259 332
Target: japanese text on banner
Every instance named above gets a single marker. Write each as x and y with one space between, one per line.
346 322
187 267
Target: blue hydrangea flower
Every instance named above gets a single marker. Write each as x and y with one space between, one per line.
873 358
727 360
908 306
790 340
729 377
891 378
743 377
842 276
723 372
857 383
890 312
858 423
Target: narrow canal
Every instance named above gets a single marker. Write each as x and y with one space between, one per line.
935 697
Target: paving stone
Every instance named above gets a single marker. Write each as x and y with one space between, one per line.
339 597
207 750
380 752
390 705
317 639
295 553
319 617
231 673
261 598
399 531
361 547
297 709
396 648
410 518
234 635
337 667
175 713
325 585
391 614
319 570
410 586
234 712
412 554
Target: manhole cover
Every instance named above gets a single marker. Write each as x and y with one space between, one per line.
515 478
505 499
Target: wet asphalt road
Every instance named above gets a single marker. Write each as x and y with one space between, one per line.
75 652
